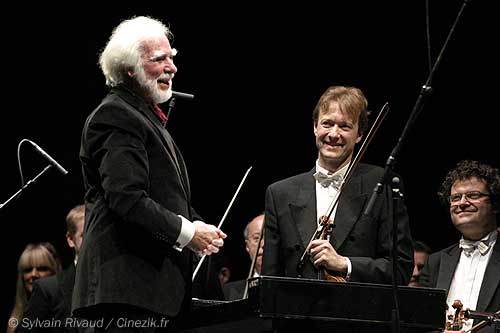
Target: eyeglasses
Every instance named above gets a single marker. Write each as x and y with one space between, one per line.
469 196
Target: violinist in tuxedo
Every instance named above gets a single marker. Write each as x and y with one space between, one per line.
359 248
469 269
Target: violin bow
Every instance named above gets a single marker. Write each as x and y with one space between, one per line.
352 165
223 218
254 259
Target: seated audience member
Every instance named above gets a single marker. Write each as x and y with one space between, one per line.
51 297
37 260
420 252
236 289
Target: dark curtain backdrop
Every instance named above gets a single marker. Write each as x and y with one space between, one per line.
256 72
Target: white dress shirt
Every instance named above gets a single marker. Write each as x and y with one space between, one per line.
324 198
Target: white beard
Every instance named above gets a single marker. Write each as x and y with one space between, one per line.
157 95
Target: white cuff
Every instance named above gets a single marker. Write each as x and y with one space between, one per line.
349 269
187 233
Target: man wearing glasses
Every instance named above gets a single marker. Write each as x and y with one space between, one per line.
470 269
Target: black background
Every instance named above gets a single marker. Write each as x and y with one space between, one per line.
257 73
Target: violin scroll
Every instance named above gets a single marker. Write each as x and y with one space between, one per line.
456 321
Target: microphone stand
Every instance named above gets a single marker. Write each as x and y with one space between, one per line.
391 161
19 192
397 195
171 105
177 94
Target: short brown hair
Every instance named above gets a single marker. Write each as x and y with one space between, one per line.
350 99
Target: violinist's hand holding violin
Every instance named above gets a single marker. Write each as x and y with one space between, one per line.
456 321
207 239
324 255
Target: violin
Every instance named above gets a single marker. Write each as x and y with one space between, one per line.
456 322
327 231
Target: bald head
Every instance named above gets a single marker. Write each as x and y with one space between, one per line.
252 235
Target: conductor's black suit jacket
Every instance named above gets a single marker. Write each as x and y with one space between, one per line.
136 186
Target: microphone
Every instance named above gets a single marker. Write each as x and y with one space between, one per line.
181 95
49 158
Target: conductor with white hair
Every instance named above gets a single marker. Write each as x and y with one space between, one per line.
141 231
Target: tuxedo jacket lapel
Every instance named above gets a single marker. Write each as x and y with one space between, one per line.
303 209
183 172
349 208
491 279
174 154
166 138
449 262
177 158
169 144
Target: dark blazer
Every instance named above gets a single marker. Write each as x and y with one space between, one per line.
136 185
440 267
290 221
51 300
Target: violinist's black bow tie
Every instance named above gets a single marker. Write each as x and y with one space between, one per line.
328 180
